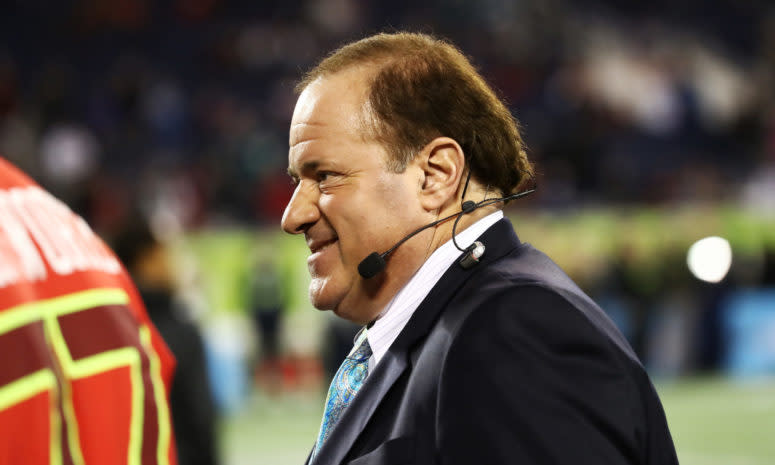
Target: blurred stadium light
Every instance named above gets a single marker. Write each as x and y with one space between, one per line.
709 259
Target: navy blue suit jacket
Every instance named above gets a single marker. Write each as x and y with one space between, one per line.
507 362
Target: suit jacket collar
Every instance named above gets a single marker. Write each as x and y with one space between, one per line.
499 240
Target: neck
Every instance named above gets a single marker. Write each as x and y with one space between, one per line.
444 232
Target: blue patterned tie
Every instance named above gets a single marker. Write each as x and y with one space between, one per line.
346 383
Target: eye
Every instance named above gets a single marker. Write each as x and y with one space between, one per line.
323 175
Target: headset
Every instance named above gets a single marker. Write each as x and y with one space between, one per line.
375 263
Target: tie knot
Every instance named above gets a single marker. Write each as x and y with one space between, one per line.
362 352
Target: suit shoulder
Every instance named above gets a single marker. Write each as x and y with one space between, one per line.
527 285
500 305
504 309
538 367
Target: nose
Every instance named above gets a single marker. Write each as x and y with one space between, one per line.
301 212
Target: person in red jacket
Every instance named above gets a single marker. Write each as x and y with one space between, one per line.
84 375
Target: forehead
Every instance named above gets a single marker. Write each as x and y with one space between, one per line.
330 112
335 102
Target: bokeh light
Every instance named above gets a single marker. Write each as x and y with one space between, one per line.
709 259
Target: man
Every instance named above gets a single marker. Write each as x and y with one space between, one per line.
84 375
504 361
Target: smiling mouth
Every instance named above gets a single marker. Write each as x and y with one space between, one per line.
320 246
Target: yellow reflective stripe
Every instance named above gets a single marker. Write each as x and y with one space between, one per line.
25 314
56 429
57 341
29 386
100 363
51 309
104 361
135 450
48 311
85 300
160 395
19 316
26 387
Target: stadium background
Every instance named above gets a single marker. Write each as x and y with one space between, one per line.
653 126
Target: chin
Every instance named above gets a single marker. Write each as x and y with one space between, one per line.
346 300
349 316
322 303
321 294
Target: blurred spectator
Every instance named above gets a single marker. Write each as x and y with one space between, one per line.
265 301
191 399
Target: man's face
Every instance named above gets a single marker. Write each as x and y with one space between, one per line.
347 203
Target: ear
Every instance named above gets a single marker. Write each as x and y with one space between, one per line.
442 163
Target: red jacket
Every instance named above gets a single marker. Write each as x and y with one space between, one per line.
84 375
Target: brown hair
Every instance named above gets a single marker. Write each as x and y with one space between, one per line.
424 88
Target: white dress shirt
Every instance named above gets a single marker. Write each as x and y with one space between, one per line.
397 313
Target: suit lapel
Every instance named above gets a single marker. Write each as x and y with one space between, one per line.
499 240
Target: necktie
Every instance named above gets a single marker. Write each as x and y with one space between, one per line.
346 383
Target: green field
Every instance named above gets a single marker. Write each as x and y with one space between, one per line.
717 422
714 422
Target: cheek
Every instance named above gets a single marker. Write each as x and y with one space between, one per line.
401 190
396 204
370 218
351 215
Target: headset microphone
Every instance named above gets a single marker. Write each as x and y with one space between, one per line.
376 262
372 265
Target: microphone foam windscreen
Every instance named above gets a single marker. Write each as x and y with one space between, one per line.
371 265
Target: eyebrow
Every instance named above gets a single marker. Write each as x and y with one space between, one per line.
305 167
